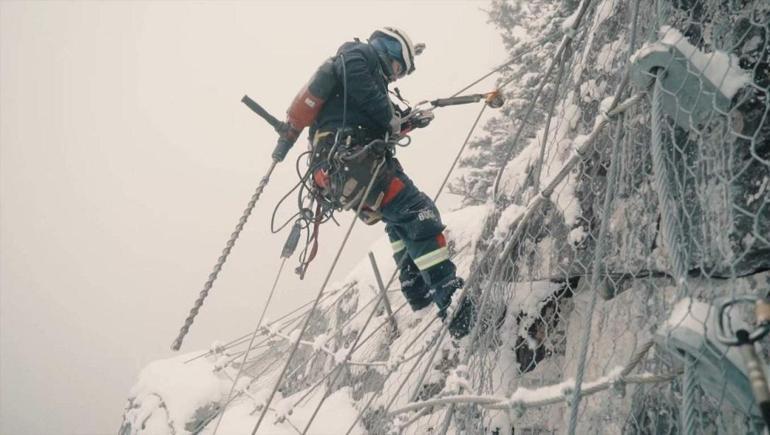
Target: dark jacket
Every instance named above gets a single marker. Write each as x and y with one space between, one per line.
359 66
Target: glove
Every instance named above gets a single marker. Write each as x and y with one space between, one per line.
423 118
285 142
281 149
395 125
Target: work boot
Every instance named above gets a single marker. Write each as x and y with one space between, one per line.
442 293
463 321
413 286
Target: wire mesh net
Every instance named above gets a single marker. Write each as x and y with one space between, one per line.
630 247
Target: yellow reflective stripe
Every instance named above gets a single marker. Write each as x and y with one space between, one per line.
432 258
398 245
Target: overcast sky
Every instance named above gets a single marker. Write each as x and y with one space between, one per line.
126 159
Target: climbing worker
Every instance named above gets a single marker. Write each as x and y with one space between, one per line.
355 114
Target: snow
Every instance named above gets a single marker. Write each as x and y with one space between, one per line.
341 355
569 22
577 235
760 193
180 389
283 409
319 342
507 218
216 347
557 153
752 44
563 389
221 362
183 388
394 362
520 33
457 381
603 12
608 52
693 322
579 141
718 67
239 419
592 90
464 230
566 118
527 297
293 336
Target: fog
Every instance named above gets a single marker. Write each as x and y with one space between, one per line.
126 159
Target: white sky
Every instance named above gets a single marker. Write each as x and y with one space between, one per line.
126 159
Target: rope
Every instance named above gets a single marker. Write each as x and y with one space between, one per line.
668 210
689 413
324 350
500 403
251 343
503 65
672 235
597 269
355 348
222 258
474 339
569 34
338 370
575 401
539 167
401 385
460 152
318 298
242 339
600 244
541 394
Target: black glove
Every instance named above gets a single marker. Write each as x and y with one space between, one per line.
281 149
419 119
285 142
422 118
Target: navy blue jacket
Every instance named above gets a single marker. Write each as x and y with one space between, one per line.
367 89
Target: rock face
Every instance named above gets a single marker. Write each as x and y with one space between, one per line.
174 397
561 296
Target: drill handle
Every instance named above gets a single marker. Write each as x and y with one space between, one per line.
279 126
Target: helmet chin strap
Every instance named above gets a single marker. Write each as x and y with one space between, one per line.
387 68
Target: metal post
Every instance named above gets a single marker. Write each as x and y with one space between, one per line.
384 292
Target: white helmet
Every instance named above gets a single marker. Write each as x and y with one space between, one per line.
406 50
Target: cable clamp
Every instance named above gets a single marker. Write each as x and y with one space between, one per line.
568 392
619 387
515 408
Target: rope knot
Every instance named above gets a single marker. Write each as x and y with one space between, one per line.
619 387
568 392
216 348
516 409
